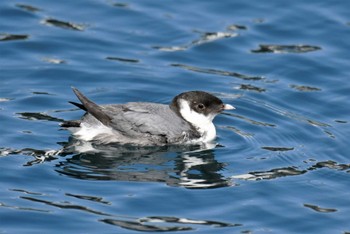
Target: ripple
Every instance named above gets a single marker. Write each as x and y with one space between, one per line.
148 224
251 121
287 113
286 49
28 7
250 87
26 192
6 99
120 4
12 37
304 88
127 60
54 60
212 36
224 95
39 156
259 20
341 121
41 93
38 116
330 134
159 219
234 27
291 171
205 37
64 205
270 174
271 148
170 48
331 165
239 132
64 24
23 208
316 123
217 72
88 198
137 226
320 209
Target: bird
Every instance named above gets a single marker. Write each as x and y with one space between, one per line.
188 119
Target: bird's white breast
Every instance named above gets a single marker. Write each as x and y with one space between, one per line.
202 123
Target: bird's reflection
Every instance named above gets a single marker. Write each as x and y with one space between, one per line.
186 166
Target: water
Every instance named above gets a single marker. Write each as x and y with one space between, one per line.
282 163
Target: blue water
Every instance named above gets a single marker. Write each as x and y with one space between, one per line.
282 162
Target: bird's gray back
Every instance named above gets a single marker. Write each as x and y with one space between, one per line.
156 122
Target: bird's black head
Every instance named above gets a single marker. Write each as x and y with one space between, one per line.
201 102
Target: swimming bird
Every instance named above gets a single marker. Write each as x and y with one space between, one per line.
186 120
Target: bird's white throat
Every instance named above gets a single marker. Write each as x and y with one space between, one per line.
203 124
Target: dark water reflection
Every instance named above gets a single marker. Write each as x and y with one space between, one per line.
147 224
11 37
64 24
286 49
190 167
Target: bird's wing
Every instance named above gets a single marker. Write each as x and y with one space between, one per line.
147 120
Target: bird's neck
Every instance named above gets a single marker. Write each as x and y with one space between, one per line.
203 124
209 133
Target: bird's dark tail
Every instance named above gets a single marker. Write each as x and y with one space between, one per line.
92 108
79 105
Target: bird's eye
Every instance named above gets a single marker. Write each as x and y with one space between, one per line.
200 106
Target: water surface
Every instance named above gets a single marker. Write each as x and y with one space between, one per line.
281 164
